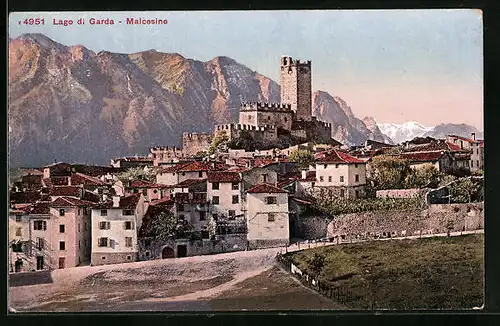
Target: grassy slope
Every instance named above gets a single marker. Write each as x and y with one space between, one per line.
431 273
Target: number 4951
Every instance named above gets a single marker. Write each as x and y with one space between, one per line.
34 21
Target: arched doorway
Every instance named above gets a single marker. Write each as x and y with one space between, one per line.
167 252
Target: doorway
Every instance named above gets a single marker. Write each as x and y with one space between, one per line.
62 262
39 263
18 265
167 252
181 251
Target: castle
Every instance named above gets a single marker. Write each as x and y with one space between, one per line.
267 125
282 124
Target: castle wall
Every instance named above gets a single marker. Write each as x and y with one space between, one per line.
165 154
193 143
261 114
263 135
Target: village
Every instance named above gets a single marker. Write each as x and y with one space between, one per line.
274 178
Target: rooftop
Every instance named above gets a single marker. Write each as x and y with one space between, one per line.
265 188
70 202
337 157
223 176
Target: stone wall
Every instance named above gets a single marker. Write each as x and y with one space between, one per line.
193 143
400 193
434 219
112 258
259 244
313 227
221 244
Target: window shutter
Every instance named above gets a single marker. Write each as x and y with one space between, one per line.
124 225
108 225
44 225
132 225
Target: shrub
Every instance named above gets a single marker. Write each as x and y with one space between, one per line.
343 206
303 158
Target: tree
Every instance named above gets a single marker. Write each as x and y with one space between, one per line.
165 225
137 173
389 172
463 191
317 262
425 176
219 140
303 158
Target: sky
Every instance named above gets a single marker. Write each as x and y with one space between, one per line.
393 65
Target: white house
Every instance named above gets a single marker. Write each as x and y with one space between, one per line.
224 191
342 173
267 216
115 226
178 173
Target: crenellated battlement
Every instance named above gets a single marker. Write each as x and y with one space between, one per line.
240 126
257 106
287 61
164 149
191 135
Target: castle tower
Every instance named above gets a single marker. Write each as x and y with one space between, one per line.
295 80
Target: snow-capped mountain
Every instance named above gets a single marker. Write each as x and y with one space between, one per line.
404 132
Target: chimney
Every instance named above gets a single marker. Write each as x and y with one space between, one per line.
473 136
69 181
116 201
250 163
304 174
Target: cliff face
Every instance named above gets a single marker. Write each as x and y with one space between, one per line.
67 103
346 128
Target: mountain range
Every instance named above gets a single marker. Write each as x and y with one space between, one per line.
409 130
68 103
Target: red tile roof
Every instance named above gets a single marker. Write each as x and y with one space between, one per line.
188 183
129 202
39 208
70 202
337 157
175 168
32 172
462 138
223 176
24 197
146 184
265 188
423 156
284 183
83 179
166 201
74 191
302 201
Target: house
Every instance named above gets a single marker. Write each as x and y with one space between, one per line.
340 174
475 148
131 162
115 225
173 175
267 216
70 224
19 240
151 190
442 160
224 192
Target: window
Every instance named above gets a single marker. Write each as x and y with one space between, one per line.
203 215
40 243
104 225
103 257
330 179
128 212
215 216
181 217
341 178
477 163
61 228
215 200
285 119
312 184
40 225
215 186
180 207
357 193
103 242
62 245
155 191
128 225
147 242
147 253
17 247
263 177
104 212
336 166
200 174
321 179
78 227
271 217
356 166
129 257
61 212
19 218
145 192
231 214
357 177
471 164
78 244
86 226
325 166
342 193
235 186
128 241
79 211
235 199
271 200
268 118
19 232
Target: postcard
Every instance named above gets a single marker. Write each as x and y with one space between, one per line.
312 160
